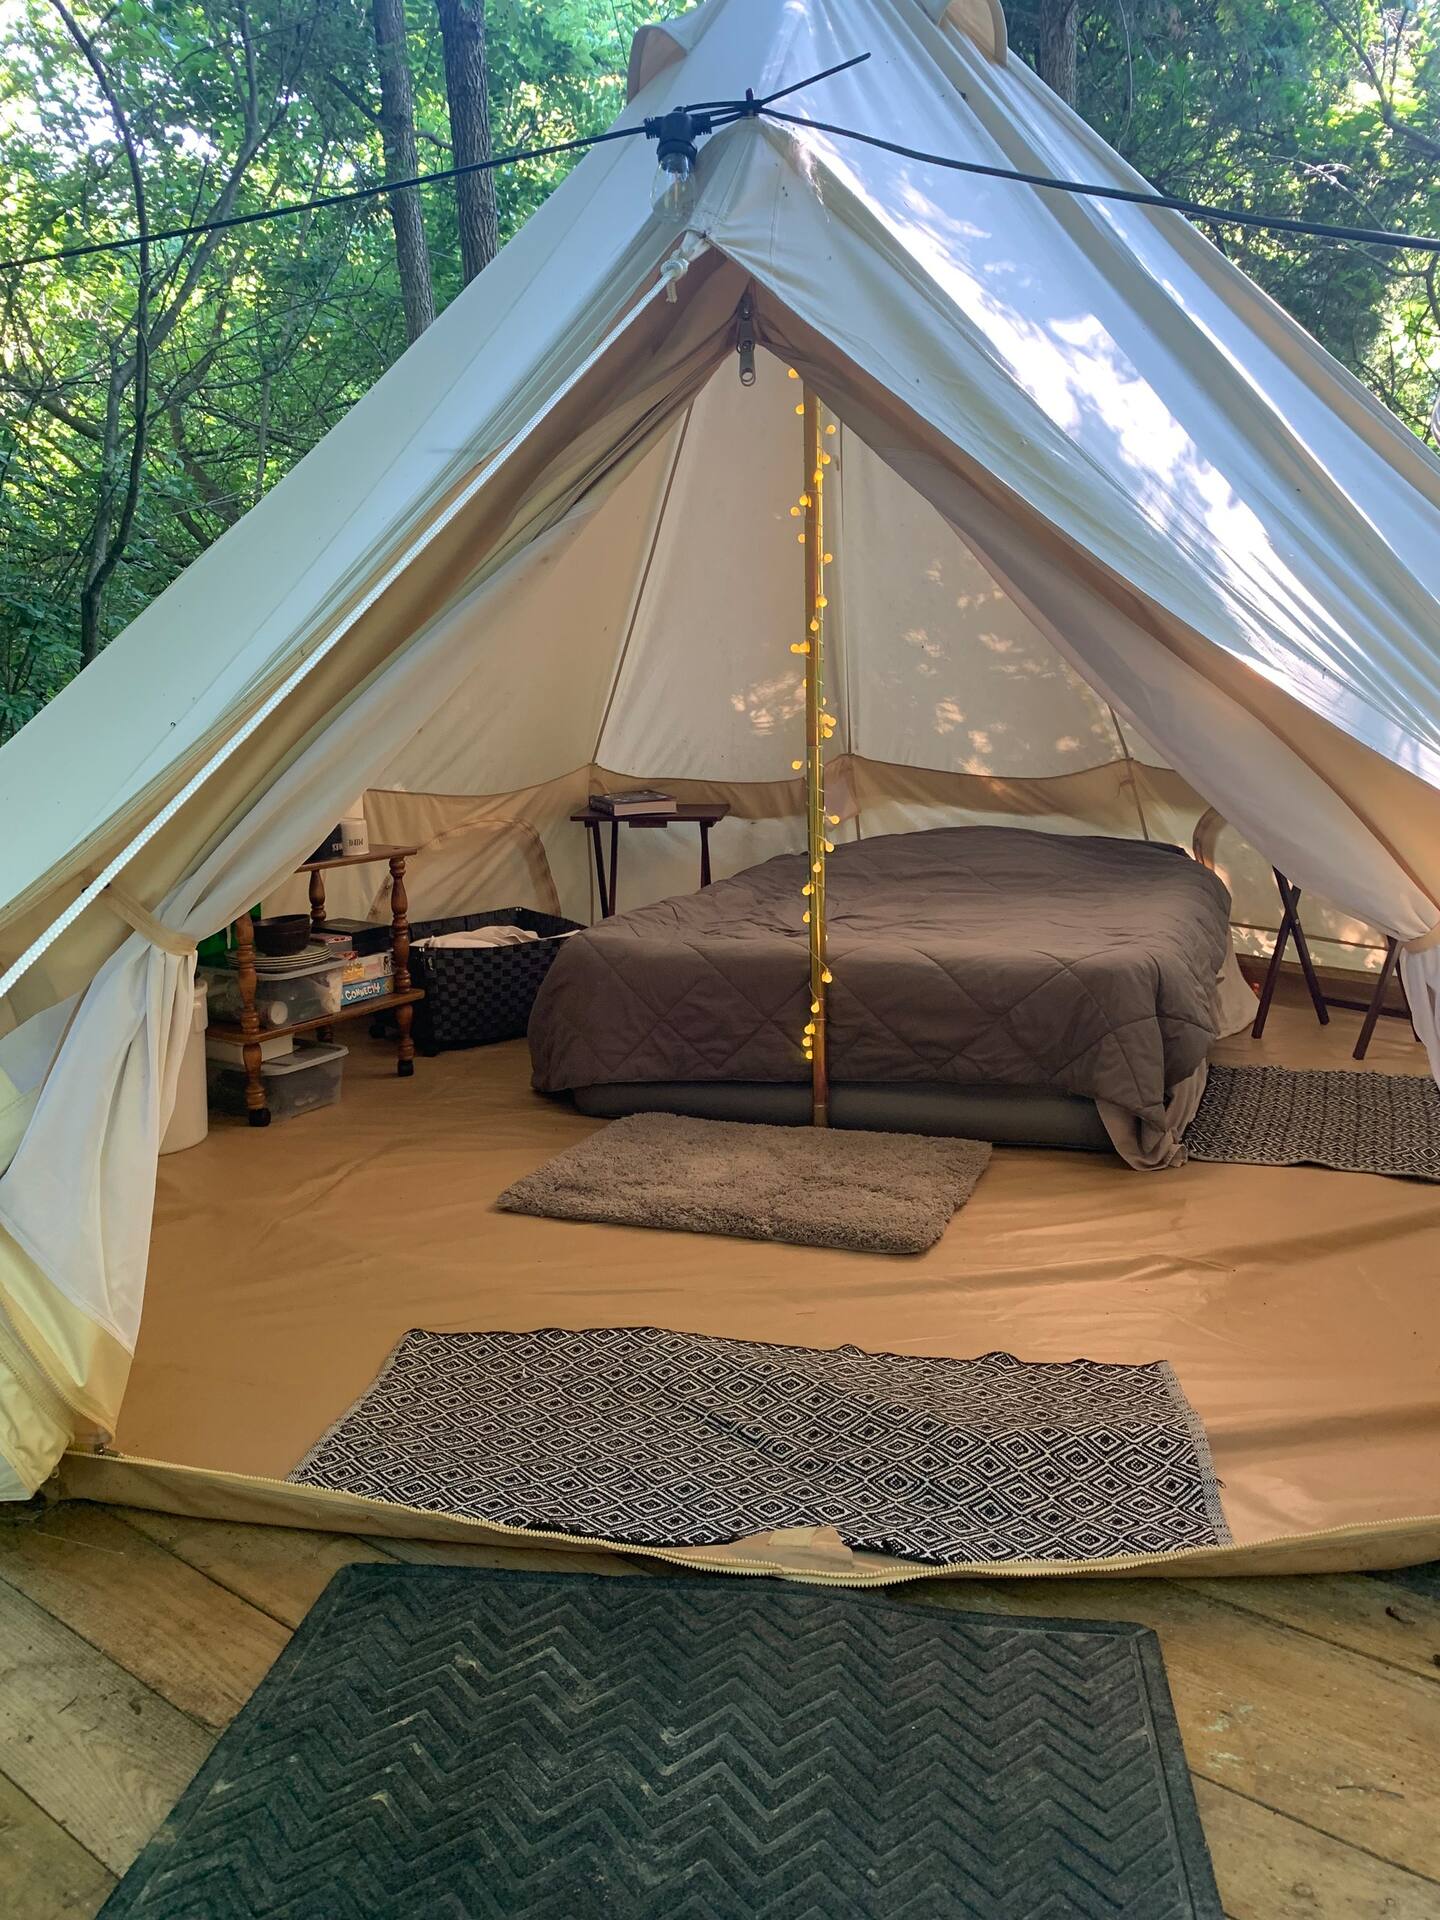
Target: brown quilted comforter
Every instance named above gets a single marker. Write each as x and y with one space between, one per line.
963 955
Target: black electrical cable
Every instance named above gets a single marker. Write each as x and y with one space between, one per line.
721 114
749 107
1196 209
329 199
843 66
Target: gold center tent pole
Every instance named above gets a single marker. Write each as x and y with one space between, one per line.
819 725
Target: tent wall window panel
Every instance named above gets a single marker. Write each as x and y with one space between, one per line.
1115 542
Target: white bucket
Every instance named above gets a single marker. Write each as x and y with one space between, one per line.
190 1122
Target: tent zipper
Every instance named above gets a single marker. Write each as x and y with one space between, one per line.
16 1353
688 1556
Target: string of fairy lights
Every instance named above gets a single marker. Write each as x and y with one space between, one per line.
820 726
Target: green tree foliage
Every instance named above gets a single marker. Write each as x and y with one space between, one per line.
258 339
1326 108
145 404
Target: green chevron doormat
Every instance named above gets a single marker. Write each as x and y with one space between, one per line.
453 1745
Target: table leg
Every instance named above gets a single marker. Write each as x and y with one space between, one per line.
317 900
400 959
614 867
257 1112
1289 924
592 827
1307 967
1377 999
704 853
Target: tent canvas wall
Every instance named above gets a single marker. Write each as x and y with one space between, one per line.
1118 541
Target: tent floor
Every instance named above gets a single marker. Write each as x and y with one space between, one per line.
1296 1304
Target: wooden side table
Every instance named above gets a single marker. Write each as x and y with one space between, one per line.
703 814
401 999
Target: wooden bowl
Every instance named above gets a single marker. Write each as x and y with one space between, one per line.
287 933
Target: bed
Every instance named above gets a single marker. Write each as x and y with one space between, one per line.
1018 986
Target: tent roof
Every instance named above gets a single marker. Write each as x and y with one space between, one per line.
1126 389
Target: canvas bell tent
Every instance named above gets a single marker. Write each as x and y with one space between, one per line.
1116 546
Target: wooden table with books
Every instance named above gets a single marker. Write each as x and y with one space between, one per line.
249 1030
660 811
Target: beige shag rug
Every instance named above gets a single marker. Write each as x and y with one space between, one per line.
812 1186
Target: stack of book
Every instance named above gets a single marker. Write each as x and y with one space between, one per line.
639 803
364 950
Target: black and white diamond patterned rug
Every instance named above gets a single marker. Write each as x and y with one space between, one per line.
1353 1122
654 1438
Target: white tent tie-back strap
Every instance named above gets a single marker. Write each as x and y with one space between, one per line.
1423 942
145 924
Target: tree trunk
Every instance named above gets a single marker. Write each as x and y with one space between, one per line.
402 162
462 34
115 508
94 579
1059 20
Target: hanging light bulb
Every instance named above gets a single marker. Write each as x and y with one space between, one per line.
673 192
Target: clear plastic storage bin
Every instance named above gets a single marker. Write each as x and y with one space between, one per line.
297 1082
280 999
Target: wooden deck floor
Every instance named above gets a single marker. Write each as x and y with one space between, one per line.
1310 1708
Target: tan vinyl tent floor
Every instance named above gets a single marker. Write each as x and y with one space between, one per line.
1297 1305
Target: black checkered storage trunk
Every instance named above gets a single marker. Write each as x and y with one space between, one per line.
475 996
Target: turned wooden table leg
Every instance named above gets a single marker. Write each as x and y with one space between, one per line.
257 1112
317 900
400 957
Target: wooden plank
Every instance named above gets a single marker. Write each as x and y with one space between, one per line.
1270 1867
43 1872
281 1570
199 1647
1424 1579
1329 1737
95 1749
284 1570
1372 1617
